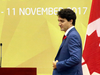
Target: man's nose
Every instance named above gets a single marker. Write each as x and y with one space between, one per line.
59 24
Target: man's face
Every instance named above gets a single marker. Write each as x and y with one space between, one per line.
63 23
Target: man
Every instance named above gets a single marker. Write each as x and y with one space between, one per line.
68 59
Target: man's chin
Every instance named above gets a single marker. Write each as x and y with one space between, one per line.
62 30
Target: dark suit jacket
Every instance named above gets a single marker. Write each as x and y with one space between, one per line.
69 55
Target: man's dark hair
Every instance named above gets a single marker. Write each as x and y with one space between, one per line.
68 14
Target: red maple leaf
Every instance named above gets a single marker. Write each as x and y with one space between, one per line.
91 53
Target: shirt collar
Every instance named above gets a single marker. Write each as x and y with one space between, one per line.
68 30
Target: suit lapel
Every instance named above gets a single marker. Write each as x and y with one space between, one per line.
62 44
60 48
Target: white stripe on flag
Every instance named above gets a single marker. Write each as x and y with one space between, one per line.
85 69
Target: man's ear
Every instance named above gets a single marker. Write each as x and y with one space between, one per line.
71 21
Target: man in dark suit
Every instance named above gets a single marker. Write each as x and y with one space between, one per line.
68 59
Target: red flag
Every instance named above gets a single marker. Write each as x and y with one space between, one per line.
91 53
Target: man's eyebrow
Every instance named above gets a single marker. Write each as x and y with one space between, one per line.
60 20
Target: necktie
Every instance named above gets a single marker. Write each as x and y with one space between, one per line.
64 37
